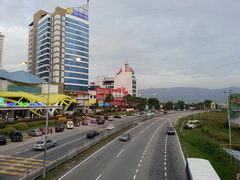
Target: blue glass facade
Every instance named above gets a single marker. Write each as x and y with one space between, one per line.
76 46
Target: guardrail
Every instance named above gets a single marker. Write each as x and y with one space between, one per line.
82 147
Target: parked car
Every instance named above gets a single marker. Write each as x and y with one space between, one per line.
125 137
85 123
110 126
35 132
117 116
106 117
92 134
170 131
94 121
3 140
164 112
40 145
70 125
77 123
59 127
16 136
100 121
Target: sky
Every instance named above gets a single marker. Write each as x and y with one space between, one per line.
168 43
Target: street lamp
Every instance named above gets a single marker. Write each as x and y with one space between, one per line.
47 115
229 120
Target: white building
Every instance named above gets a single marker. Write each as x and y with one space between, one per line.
1 49
105 82
125 78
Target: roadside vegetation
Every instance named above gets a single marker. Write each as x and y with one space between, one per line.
207 139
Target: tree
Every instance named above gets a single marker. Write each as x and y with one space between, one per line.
153 103
168 105
109 98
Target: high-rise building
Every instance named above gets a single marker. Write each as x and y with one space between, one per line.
126 79
59 47
1 49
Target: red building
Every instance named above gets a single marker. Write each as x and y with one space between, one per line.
118 94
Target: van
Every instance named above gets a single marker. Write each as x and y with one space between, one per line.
70 125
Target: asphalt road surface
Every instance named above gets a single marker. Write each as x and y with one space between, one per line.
141 158
150 154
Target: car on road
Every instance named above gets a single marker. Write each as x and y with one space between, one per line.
3 140
100 121
85 123
40 145
170 131
77 123
92 134
35 132
94 121
70 125
164 112
59 127
110 126
16 136
116 116
125 137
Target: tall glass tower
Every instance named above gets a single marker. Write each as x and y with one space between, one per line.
59 47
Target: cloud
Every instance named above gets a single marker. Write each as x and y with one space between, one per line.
168 43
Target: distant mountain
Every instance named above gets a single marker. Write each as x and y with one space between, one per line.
188 94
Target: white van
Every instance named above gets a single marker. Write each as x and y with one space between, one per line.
70 125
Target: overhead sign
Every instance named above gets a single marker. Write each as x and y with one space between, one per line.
76 13
234 108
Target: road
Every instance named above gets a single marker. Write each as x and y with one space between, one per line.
19 159
151 154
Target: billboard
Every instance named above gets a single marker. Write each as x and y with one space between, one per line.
234 108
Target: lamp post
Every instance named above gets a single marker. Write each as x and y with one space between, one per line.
78 59
229 120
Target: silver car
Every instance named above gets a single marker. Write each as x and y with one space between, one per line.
40 145
125 137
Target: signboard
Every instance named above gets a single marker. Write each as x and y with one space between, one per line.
234 108
20 104
213 106
73 12
1 101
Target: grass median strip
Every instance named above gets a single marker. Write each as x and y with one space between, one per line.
77 159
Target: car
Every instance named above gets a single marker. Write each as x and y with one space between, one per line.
16 136
106 117
85 123
70 125
164 112
170 131
40 145
117 116
100 121
77 123
110 126
94 121
35 132
125 137
92 134
3 140
59 127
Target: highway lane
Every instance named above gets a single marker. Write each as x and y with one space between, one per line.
136 159
65 144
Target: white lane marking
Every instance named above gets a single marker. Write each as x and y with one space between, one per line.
136 171
133 139
165 163
95 153
134 177
98 177
165 174
142 157
119 153
165 168
141 161
139 165
184 161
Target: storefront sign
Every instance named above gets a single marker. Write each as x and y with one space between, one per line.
234 108
77 13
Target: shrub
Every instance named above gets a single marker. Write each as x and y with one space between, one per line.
20 126
2 125
7 130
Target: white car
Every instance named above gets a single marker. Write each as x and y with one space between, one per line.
110 126
70 125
